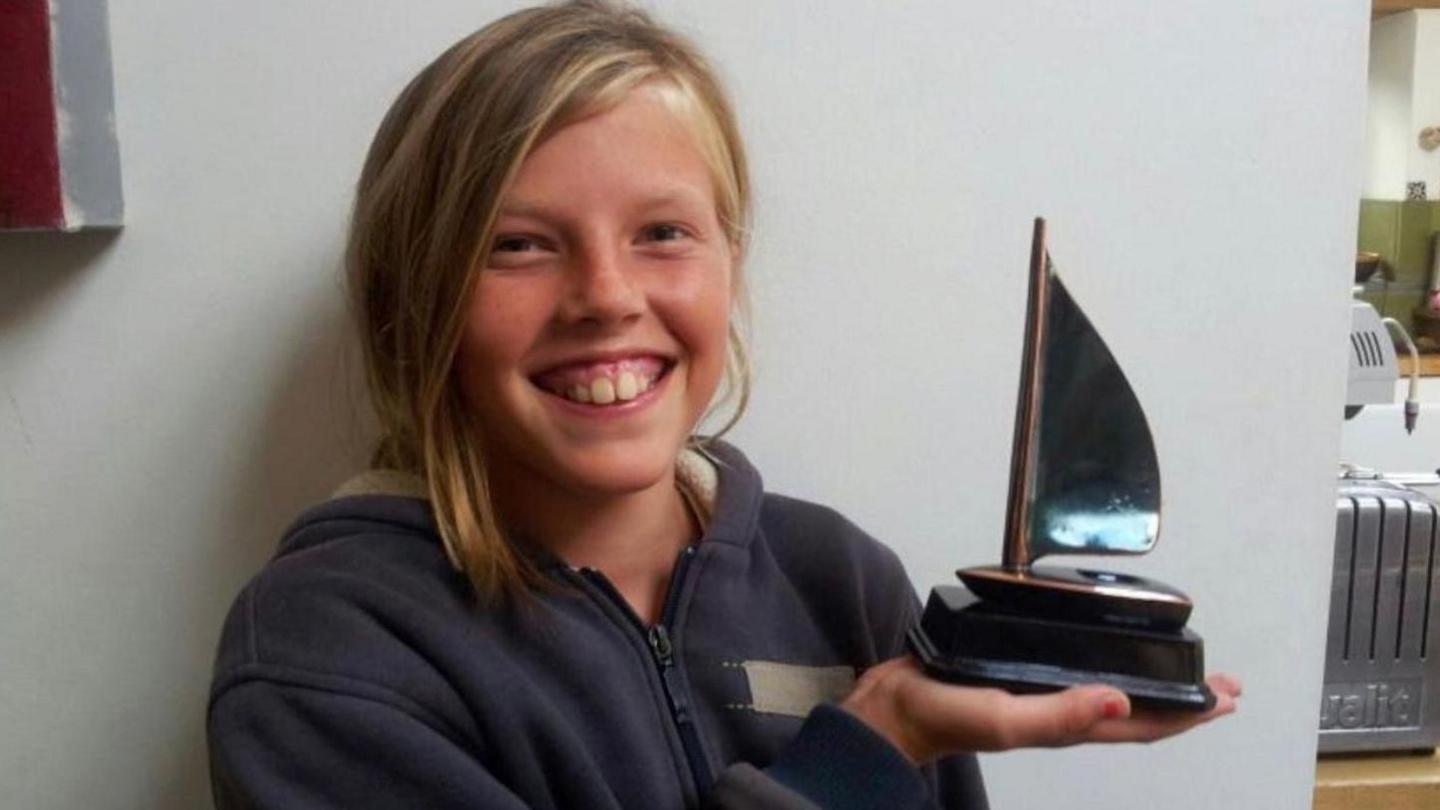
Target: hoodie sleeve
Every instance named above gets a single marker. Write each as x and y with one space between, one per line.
280 745
835 761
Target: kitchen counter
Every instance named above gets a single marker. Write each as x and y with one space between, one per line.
1401 781
1429 364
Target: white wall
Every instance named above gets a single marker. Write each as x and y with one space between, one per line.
1425 107
1390 96
172 395
1403 98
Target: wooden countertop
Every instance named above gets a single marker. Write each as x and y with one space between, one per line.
1401 781
1429 364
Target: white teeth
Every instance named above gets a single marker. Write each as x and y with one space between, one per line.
626 387
602 391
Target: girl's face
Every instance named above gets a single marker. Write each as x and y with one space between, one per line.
597 332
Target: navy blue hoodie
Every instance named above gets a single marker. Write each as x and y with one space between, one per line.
358 670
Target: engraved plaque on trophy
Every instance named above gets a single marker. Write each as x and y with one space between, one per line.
1084 479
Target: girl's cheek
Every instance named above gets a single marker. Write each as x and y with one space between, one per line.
506 315
706 288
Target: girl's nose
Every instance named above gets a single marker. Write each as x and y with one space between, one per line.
603 289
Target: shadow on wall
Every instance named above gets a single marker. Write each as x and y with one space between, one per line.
36 266
315 432
316 428
300 425
312 434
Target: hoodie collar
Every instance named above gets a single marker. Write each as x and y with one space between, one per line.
721 482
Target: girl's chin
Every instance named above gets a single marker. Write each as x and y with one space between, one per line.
621 471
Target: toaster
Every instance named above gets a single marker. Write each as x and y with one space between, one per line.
1382 651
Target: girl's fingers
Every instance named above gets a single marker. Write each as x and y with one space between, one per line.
1090 714
1149 726
1049 720
924 717
1221 682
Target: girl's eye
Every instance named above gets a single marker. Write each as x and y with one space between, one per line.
514 244
515 250
664 233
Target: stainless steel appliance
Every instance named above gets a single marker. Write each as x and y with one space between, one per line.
1382 655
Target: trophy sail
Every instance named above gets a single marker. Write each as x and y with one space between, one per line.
1083 473
1096 478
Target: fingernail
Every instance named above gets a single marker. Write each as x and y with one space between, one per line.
1114 707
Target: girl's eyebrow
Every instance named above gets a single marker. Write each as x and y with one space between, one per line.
535 209
523 208
679 197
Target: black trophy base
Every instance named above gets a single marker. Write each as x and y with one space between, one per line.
962 639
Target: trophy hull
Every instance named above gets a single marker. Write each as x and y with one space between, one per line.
1091 596
965 640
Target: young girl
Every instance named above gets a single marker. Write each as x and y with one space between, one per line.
549 592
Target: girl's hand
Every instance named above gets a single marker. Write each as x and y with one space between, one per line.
925 718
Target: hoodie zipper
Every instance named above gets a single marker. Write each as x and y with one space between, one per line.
662 653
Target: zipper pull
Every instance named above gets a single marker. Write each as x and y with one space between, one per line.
665 657
660 645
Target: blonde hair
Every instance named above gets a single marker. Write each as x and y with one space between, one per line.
426 204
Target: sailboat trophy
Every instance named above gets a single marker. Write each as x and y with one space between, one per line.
1084 479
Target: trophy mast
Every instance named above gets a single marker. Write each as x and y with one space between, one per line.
1016 555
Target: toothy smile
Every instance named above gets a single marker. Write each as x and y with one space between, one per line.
604 383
